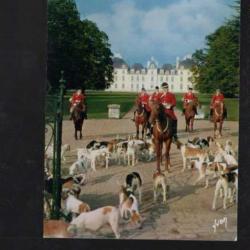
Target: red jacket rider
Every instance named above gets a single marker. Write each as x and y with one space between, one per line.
187 97
168 100
143 99
156 96
217 97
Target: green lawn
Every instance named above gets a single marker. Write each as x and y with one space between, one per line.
99 100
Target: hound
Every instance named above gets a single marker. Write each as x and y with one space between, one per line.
72 204
229 148
159 182
198 142
55 229
134 183
229 184
50 151
209 169
128 206
94 220
189 153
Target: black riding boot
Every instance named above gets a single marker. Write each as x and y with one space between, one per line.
225 113
211 114
183 111
134 116
175 138
195 111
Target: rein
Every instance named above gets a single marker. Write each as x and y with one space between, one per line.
158 128
140 115
216 113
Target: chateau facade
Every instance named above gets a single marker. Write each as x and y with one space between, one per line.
132 79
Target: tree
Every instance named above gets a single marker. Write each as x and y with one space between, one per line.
77 47
217 65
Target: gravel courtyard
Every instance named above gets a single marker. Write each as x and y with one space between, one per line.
187 214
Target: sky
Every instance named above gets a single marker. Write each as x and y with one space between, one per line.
164 29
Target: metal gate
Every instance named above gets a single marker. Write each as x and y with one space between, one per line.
53 125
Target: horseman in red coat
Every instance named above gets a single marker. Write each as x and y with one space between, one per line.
143 99
77 98
217 97
189 97
168 100
155 97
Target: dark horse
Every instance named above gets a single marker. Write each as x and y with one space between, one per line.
190 110
218 117
141 118
78 118
162 133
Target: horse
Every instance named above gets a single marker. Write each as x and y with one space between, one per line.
190 108
218 117
78 119
162 133
141 118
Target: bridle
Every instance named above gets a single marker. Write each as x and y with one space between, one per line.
140 115
216 113
158 128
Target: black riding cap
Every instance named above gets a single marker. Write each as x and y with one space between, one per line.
164 85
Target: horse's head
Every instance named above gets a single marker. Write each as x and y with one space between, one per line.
139 107
77 112
156 109
218 107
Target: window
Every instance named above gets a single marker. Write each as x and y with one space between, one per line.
181 78
143 78
181 86
137 86
172 78
115 86
151 86
181 72
161 78
123 85
137 78
123 72
115 78
123 78
142 85
132 78
172 87
132 86
166 78
152 78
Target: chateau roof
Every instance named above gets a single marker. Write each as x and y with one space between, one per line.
137 66
119 62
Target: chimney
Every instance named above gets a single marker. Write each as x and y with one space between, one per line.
177 62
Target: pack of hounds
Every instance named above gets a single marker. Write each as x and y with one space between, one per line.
214 162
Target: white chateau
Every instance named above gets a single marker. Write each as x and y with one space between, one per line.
134 78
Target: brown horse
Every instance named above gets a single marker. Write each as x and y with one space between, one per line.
190 114
218 117
141 118
162 133
78 118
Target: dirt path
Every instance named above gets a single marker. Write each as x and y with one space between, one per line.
188 213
